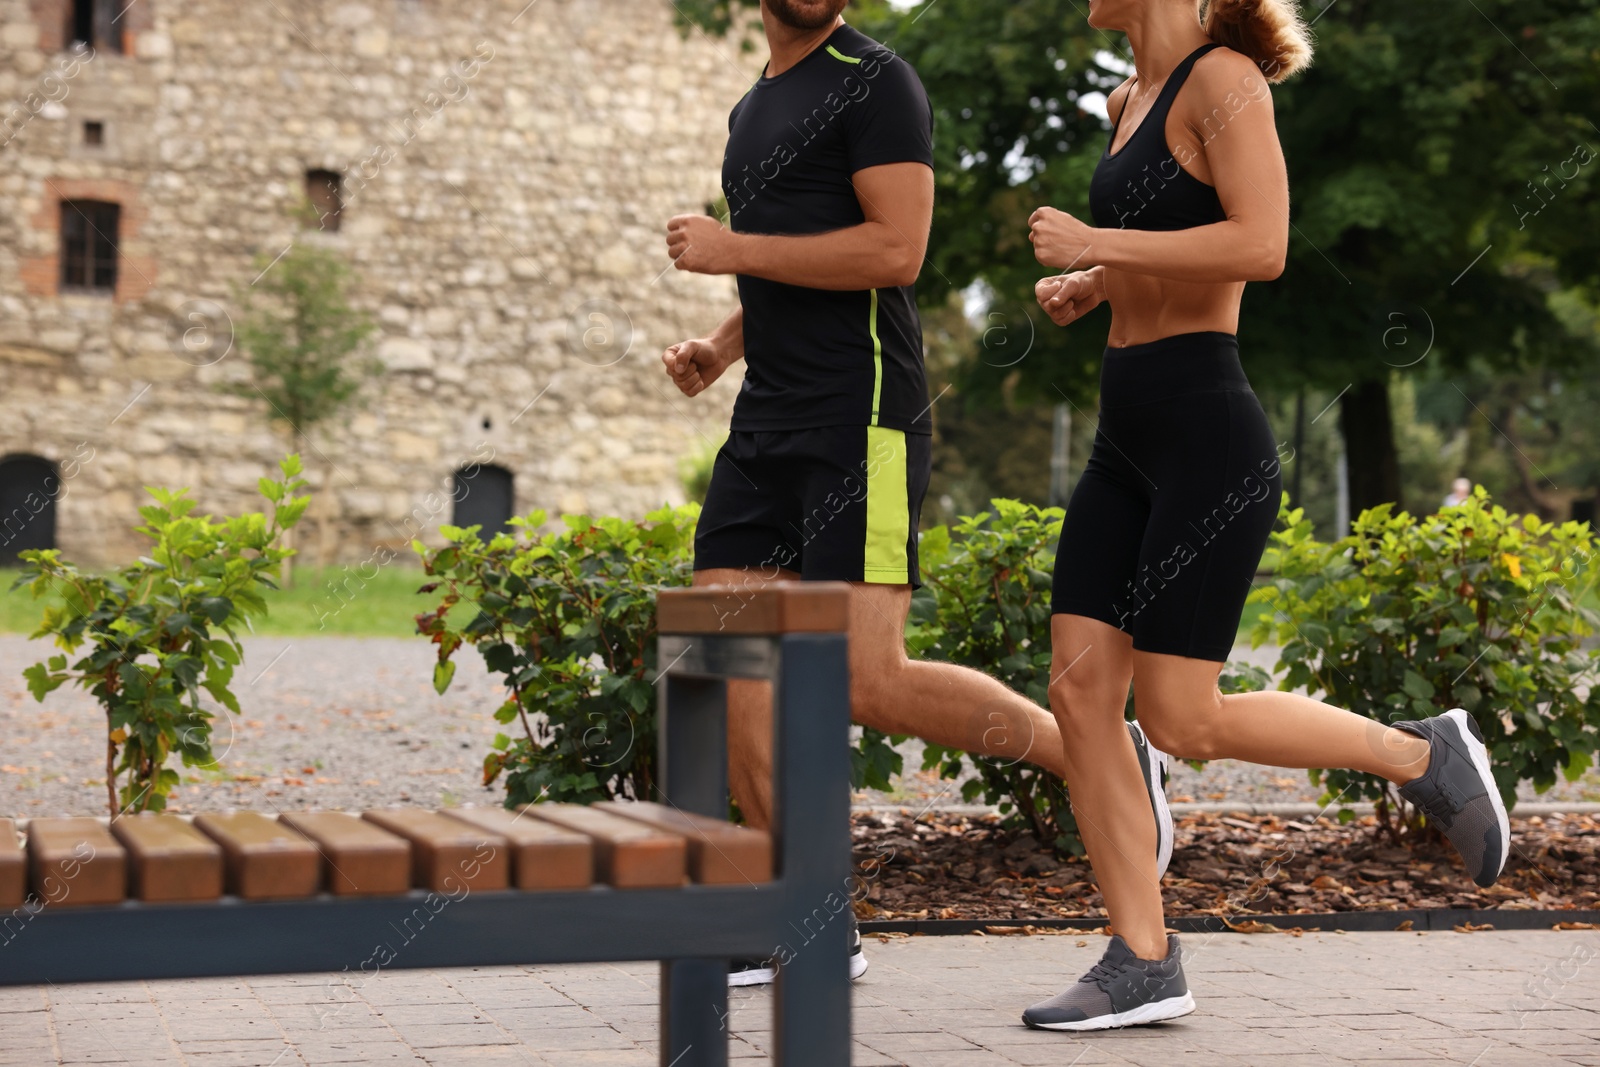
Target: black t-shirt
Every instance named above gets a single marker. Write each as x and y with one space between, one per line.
817 357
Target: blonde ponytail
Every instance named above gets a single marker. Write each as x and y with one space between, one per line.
1270 32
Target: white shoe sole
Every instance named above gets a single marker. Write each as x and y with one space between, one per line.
1164 831
1155 1012
756 976
1480 759
768 975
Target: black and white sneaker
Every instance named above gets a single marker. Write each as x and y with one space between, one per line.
1153 766
858 959
1120 990
751 972
765 972
1458 792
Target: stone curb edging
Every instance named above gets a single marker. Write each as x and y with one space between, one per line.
1225 807
1525 810
1421 921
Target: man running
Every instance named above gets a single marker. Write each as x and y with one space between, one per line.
828 176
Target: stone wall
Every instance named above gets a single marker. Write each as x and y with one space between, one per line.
508 168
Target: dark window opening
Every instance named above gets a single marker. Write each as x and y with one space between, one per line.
96 23
484 497
89 244
94 133
323 190
487 424
29 487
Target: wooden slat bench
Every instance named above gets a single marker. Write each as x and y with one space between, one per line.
550 883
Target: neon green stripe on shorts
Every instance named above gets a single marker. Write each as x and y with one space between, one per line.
888 508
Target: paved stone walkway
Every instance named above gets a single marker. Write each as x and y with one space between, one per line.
1483 999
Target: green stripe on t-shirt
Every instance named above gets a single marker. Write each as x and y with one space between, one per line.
877 357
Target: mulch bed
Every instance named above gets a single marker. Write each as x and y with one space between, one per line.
938 865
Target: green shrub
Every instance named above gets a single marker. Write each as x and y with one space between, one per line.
1471 607
568 622
161 630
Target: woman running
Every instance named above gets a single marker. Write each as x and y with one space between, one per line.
1167 525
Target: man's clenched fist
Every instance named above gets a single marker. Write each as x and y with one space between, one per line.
693 365
701 244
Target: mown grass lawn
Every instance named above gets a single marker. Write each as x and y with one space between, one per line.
336 601
330 601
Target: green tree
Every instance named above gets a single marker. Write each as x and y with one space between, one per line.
1442 163
305 343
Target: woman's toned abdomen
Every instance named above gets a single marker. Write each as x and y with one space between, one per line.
1146 309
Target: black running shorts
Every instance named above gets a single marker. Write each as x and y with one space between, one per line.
836 503
1165 529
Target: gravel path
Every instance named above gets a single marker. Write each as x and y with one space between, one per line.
352 723
329 722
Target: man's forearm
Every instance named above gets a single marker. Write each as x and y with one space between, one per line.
872 255
728 337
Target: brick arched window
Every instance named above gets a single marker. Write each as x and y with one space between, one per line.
96 23
89 236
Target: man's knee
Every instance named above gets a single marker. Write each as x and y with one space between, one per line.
878 655
876 697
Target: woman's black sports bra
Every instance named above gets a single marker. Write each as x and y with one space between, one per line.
1142 187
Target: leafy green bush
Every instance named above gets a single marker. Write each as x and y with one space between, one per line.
1471 607
161 630
568 621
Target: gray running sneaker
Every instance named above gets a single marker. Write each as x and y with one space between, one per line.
1153 766
1459 794
1120 990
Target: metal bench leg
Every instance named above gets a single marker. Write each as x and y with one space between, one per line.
694 1008
812 793
694 777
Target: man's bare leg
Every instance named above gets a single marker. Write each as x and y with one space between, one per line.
749 715
939 702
